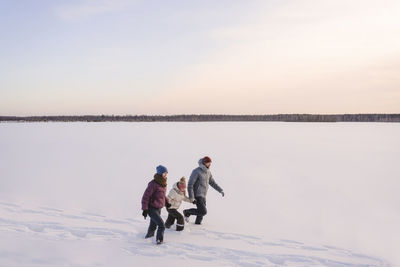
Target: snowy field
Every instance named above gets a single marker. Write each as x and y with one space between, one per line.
297 194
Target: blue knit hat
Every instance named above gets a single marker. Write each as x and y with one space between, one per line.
161 169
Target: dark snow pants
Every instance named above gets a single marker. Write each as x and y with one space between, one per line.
173 215
201 210
156 220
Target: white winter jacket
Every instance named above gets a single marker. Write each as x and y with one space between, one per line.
176 196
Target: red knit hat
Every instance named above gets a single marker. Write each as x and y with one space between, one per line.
206 160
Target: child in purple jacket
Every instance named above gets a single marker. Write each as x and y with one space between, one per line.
153 201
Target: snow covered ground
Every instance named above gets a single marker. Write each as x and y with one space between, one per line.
297 194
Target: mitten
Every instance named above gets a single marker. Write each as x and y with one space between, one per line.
144 213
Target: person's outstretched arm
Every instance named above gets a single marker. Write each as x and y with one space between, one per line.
215 185
187 199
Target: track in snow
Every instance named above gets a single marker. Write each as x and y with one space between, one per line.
195 244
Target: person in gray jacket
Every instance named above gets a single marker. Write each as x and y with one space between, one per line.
199 180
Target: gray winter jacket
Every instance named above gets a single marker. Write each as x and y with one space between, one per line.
199 180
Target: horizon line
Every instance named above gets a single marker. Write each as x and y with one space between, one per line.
199 114
210 118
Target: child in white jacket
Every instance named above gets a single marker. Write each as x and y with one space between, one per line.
175 198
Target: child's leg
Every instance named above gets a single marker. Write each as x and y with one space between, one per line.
170 220
180 222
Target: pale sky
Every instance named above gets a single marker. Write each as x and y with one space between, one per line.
199 57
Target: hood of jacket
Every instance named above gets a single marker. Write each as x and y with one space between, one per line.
202 166
176 188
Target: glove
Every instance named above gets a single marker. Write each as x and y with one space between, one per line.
194 202
222 193
144 213
168 205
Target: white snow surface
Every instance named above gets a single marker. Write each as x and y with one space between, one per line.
297 194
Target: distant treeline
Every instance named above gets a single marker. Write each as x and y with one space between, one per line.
198 118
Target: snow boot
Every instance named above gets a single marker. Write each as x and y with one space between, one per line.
148 235
186 214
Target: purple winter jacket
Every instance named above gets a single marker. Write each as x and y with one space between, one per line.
154 196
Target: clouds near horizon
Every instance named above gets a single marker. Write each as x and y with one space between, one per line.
241 57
